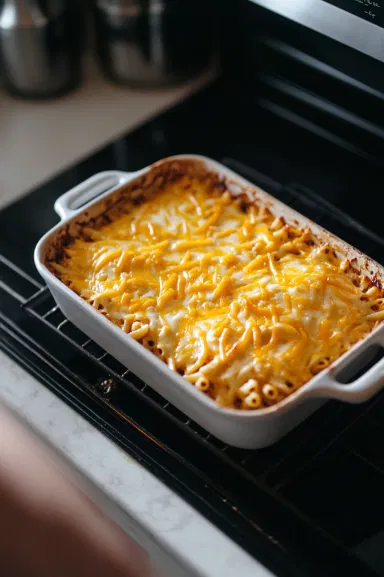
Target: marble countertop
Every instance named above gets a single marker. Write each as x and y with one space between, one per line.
180 541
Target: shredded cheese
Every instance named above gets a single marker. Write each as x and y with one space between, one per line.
247 307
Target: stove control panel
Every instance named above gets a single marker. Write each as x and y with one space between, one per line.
371 10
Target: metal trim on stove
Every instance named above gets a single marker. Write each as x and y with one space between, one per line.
333 22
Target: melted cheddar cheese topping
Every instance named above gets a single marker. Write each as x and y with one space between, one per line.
246 307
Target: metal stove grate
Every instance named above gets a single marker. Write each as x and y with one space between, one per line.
316 495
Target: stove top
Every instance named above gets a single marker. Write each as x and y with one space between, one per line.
311 504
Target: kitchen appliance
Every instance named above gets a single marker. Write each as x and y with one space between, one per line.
40 46
247 430
354 23
153 42
306 128
313 62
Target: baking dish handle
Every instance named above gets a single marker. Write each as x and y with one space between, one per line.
359 391
69 203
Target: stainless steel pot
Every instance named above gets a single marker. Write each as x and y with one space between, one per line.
153 42
40 46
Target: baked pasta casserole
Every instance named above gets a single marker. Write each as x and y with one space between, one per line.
245 306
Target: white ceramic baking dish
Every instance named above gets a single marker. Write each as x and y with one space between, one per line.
250 430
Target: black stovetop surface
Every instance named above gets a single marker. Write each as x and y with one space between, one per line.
312 504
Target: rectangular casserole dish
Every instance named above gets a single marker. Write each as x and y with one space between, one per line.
244 429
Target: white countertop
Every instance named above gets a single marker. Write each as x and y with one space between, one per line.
36 141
